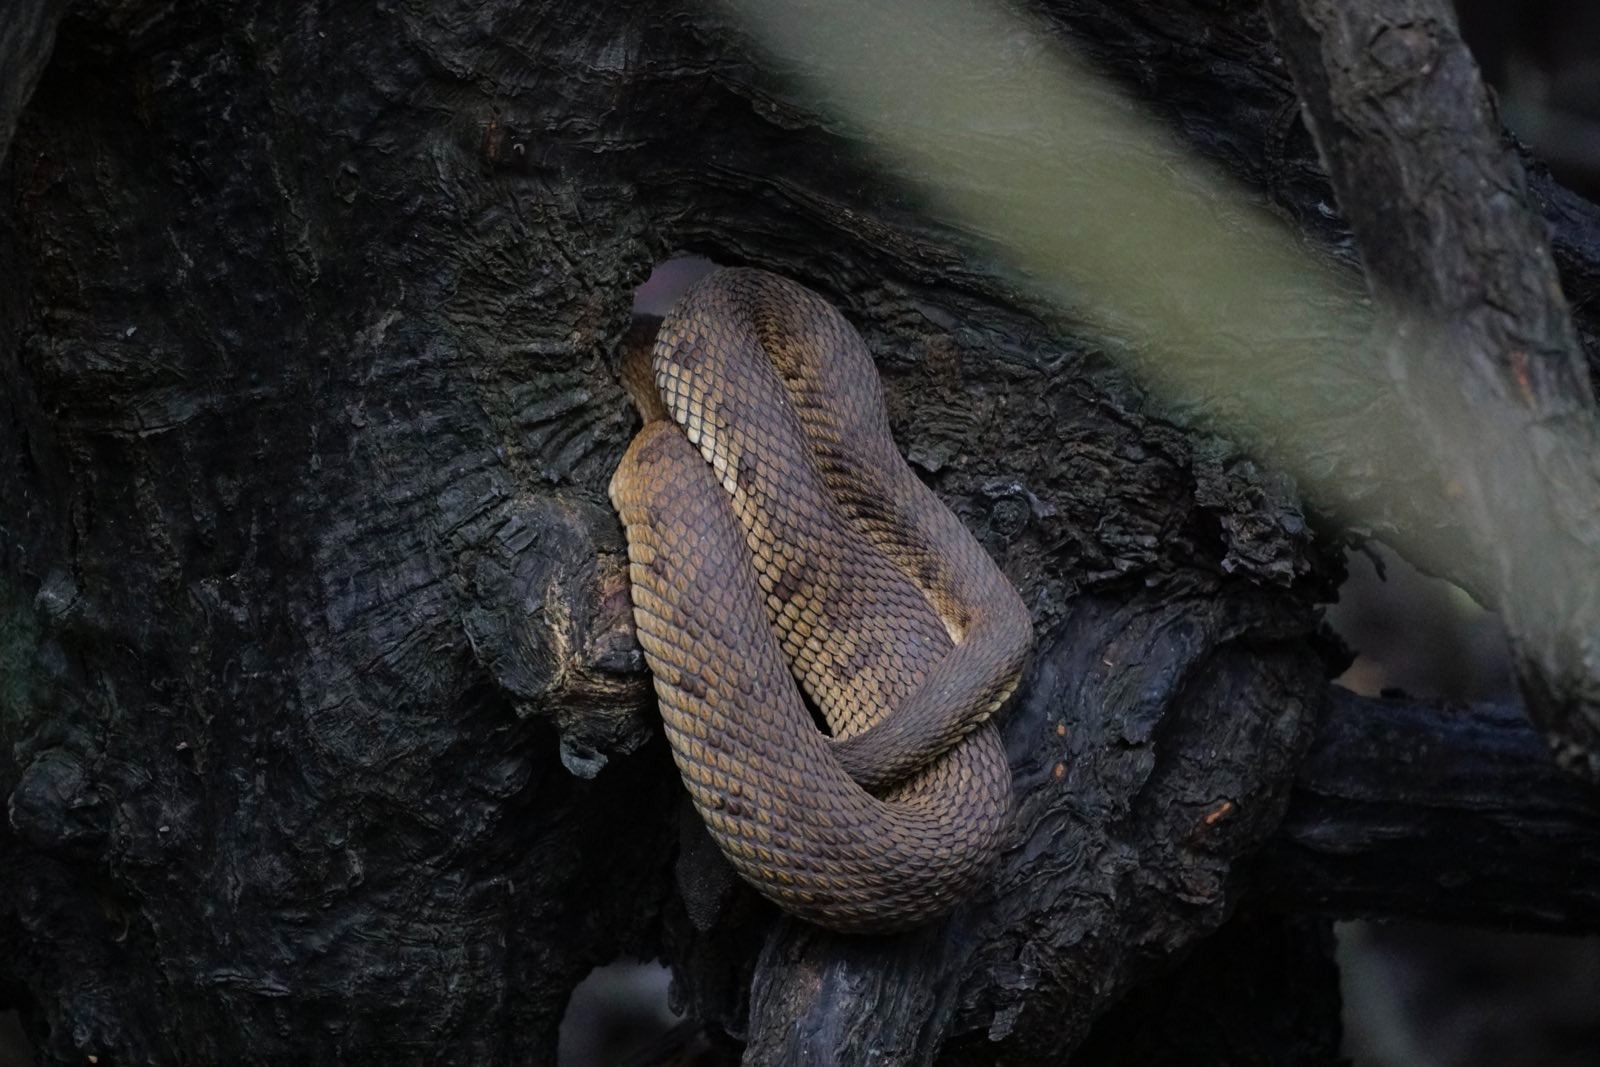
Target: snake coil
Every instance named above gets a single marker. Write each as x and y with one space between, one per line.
778 546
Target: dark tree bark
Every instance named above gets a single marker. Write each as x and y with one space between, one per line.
26 38
325 736
1406 809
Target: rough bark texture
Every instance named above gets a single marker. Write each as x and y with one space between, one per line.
1477 335
324 735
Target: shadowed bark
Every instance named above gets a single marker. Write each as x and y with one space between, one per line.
1408 809
26 38
324 732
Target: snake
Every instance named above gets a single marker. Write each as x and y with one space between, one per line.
828 643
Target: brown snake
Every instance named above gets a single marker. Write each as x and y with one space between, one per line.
776 537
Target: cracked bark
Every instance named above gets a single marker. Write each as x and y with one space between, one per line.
324 733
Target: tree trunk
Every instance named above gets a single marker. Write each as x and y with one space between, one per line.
325 735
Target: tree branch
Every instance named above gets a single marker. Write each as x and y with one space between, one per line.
1409 808
1479 341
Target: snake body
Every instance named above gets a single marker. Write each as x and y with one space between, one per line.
781 549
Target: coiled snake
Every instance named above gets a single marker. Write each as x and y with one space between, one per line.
775 537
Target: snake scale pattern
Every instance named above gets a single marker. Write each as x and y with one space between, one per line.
781 551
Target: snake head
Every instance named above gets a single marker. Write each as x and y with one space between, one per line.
654 459
638 377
